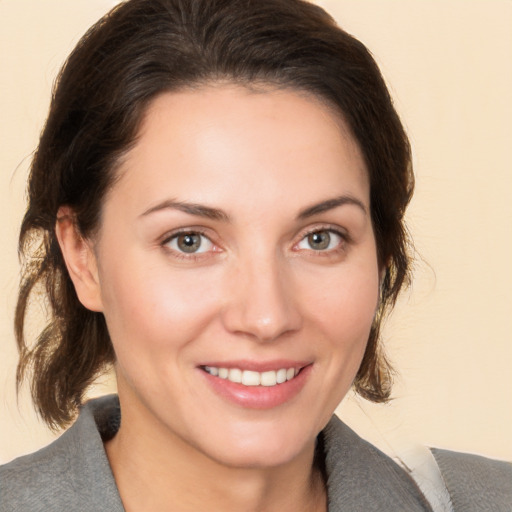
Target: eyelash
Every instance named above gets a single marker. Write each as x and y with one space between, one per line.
194 256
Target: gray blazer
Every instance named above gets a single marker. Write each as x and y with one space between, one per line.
73 473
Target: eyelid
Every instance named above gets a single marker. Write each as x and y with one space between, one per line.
183 231
325 227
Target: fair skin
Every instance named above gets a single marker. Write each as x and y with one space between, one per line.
237 239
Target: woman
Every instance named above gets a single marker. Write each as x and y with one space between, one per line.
216 207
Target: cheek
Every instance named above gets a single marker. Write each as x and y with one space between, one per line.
155 307
346 304
341 313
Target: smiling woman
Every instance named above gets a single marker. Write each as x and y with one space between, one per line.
216 209
277 277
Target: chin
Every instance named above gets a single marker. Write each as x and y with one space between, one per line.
257 458
254 447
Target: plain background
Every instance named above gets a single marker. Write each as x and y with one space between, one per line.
449 67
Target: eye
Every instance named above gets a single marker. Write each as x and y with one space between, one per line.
189 243
321 240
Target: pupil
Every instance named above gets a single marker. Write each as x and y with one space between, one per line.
319 240
189 243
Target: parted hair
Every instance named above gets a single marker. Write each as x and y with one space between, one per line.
137 51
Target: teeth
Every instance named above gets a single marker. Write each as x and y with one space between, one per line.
235 375
251 378
281 375
269 378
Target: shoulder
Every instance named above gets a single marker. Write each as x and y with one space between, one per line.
476 483
361 477
72 473
30 481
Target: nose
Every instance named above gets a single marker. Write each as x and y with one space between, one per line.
262 302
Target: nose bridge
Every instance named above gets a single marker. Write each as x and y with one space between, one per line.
262 304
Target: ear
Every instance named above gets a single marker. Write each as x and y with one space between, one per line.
80 259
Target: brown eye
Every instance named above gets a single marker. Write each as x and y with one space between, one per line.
190 243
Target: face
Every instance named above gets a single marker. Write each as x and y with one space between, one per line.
237 271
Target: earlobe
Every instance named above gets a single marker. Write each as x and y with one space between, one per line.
80 259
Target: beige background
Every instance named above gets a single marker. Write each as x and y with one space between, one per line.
449 66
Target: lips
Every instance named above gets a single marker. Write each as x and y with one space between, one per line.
257 385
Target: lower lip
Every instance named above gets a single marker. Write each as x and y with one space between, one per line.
258 397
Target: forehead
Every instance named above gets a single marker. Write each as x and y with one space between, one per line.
228 143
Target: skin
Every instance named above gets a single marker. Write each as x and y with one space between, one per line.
257 290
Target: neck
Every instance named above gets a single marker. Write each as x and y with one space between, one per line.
159 471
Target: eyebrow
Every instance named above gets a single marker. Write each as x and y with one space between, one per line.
190 208
208 212
330 204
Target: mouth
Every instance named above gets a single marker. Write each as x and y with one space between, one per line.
252 378
257 385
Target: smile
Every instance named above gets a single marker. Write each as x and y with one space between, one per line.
252 378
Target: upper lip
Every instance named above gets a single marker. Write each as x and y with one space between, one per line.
258 366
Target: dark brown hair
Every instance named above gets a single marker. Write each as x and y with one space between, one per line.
139 50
